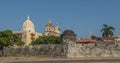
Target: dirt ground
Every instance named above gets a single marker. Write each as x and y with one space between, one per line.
28 59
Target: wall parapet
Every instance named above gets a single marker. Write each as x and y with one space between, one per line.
36 50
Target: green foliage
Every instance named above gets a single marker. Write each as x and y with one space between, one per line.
8 38
17 40
107 31
5 38
47 40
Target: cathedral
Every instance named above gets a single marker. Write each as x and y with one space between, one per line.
52 30
28 34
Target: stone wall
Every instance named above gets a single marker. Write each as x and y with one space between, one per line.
94 50
70 50
37 50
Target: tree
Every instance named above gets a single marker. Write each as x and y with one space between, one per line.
8 38
107 31
47 40
5 39
17 40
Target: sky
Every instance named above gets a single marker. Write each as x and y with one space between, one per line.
81 16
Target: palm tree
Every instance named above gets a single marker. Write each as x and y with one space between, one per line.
107 31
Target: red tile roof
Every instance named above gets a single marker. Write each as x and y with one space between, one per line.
85 41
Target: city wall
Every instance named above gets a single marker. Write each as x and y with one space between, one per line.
74 50
52 50
94 50
68 48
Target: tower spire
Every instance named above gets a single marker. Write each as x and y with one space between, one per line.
49 20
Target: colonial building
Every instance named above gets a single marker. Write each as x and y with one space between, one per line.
28 34
94 39
52 30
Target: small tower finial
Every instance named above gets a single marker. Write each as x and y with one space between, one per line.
91 34
28 18
49 20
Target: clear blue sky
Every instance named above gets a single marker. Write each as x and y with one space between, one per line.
82 16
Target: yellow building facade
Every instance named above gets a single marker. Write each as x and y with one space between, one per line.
28 34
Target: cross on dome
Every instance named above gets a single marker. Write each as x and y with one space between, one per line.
28 18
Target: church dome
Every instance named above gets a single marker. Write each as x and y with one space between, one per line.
68 32
28 25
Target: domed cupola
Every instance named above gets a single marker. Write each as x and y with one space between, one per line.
28 26
68 36
69 32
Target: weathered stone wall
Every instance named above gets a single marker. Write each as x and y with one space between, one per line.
37 50
94 50
70 50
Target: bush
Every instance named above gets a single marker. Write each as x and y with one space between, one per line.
47 40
